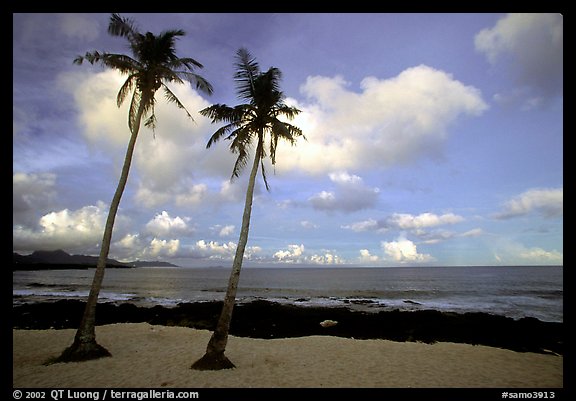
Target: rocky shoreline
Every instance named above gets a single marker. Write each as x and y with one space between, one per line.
267 320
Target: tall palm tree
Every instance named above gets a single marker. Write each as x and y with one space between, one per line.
247 123
154 62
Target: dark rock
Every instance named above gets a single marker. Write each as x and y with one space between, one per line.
264 319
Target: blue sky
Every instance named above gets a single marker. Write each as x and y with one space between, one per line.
432 139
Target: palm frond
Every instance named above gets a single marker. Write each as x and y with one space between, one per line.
264 174
121 62
149 108
125 89
154 62
217 112
123 27
171 98
247 71
151 123
240 164
222 131
201 83
240 145
289 112
282 130
223 113
133 111
255 118
190 63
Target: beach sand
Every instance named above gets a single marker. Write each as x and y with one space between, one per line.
145 355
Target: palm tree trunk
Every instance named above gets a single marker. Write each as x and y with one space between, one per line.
214 358
85 346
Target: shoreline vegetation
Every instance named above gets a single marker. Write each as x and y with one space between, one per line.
269 320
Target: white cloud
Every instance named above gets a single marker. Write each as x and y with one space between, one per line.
539 255
297 254
291 255
216 251
405 221
324 200
328 258
227 230
351 194
531 45
162 225
103 124
159 247
511 252
64 229
193 196
424 220
163 158
213 249
549 202
404 251
231 191
390 122
149 198
366 257
365 225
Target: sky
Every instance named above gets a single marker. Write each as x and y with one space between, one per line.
431 140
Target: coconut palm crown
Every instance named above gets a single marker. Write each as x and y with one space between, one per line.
154 62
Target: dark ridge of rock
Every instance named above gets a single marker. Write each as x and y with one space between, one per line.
264 319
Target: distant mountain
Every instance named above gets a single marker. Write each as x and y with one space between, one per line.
41 260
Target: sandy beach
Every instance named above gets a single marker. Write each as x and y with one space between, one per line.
146 355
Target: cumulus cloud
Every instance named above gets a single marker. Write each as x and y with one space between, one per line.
405 221
64 229
193 196
514 253
227 230
540 255
223 231
531 45
162 225
291 255
297 254
162 158
159 247
350 194
390 122
424 220
549 202
129 247
327 258
366 257
403 250
215 250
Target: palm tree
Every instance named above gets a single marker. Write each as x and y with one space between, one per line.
247 123
154 62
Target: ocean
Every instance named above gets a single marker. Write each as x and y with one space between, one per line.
513 291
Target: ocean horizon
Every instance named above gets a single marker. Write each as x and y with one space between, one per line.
512 291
